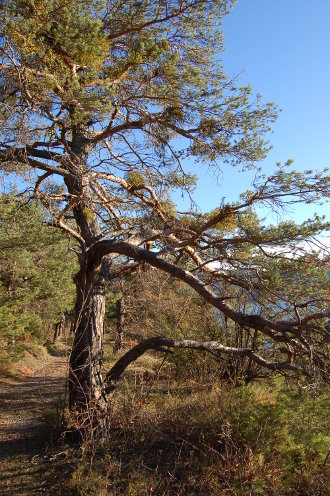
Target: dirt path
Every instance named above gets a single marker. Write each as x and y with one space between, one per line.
27 407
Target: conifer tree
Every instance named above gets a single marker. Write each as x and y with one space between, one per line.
108 97
35 275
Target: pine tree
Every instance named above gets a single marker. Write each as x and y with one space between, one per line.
109 97
35 275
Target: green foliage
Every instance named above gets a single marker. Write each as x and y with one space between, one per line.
292 425
135 179
193 439
91 58
35 274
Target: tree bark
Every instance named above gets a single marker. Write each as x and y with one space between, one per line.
120 324
87 399
163 343
59 328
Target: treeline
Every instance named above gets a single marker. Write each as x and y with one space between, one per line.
36 285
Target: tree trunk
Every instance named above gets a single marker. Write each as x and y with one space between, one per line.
120 324
59 329
87 399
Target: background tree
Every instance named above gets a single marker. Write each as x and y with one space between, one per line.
96 94
35 274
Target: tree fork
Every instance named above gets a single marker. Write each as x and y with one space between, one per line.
86 392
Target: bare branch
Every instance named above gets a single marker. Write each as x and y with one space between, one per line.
158 343
22 156
277 330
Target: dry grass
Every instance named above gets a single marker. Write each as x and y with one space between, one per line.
185 437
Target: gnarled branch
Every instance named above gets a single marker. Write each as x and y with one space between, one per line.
160 343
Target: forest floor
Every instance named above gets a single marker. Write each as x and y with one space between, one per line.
31 406
171 434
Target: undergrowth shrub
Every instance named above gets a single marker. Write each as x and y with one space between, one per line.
192 439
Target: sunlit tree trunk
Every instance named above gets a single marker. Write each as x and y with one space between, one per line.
87 400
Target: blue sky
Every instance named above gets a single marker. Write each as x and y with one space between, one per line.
282 48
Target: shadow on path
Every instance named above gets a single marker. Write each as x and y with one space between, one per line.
28 409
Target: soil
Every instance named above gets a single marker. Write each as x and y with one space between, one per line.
30 408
